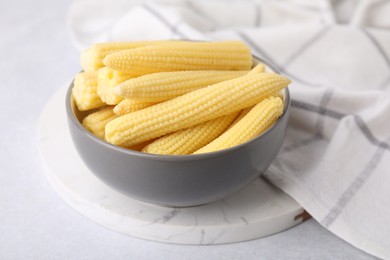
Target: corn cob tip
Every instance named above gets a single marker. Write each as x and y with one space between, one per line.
259 68
109 60
288 81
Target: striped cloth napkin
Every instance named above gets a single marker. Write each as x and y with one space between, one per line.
336 157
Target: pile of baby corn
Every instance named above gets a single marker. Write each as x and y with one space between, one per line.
176 97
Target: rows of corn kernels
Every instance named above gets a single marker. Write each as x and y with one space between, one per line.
176 97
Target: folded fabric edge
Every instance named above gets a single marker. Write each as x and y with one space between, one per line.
316 209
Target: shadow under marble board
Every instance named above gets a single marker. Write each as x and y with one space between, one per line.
255 211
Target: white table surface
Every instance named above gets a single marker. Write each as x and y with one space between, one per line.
36 58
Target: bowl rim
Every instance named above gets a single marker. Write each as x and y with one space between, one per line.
69 103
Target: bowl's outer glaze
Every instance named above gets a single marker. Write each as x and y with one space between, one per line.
177 181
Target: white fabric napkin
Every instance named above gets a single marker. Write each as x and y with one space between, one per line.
336 157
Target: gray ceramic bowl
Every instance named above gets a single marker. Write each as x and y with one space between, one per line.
177 181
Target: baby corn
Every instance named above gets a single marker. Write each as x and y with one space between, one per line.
91 59
242 113
96 122
84 91
193 108
259 119
163 86
176 56
189 140
107 80
128 105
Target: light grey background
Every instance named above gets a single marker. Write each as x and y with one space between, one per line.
36 59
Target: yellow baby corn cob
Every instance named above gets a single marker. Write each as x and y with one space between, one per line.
162 86
128 106
259 119
189 140
176 56
96 122
193 108
108 79
258 68
84 91
91 59
240 116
